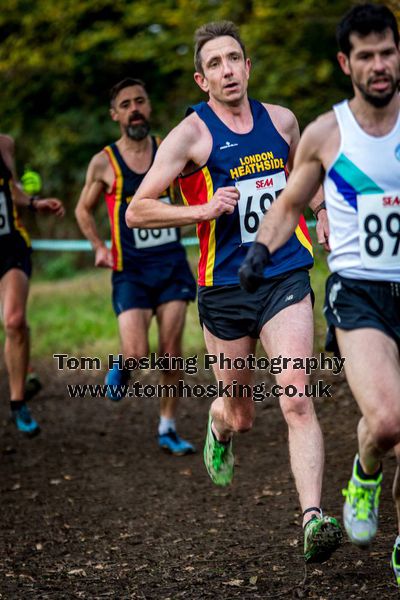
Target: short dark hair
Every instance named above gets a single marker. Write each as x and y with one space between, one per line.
365 19
127 82
210 31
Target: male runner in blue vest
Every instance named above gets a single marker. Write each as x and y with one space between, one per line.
15 271
151 275
355 151
233 155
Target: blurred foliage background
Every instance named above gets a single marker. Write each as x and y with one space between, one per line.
58 61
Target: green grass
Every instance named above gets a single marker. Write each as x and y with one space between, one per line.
319 275
74 316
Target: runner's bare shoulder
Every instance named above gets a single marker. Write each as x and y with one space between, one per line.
6 141
99 164
283 118
7 145
194 138
323 124
192 128
322 137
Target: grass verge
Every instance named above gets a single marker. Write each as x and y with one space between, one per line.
74 316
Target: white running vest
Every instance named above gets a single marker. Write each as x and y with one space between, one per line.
362 195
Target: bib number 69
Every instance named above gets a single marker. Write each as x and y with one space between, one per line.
252 217
256 196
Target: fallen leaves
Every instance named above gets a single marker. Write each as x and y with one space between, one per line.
186 472
234 582
80 572
266 492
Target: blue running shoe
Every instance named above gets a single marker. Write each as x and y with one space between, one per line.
172 443
24 421
116 380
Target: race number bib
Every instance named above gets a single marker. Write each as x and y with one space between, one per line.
149 238
4 218
256 196
379 229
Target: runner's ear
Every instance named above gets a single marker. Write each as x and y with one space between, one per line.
201 81
343 62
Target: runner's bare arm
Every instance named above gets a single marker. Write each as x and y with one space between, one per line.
7 150
180 147
292 127
90 195
286 123
322 225
20 198
282 218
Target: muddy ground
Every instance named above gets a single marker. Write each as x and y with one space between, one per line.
92 509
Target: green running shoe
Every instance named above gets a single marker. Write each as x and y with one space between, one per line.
218 458
360 511
322 536
396 560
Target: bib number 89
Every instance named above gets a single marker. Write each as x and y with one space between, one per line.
374 241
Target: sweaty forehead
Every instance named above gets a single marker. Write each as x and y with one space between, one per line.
219 46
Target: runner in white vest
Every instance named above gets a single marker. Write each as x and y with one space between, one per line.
355 151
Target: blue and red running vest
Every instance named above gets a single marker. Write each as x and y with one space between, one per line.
12 233
255 163
132 247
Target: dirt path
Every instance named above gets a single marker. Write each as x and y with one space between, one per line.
92 509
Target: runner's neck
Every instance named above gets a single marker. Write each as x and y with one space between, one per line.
238 119
137 155
376 122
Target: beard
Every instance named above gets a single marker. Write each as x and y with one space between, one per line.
375 99
138 131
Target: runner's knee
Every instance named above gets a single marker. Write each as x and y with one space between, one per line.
134 351
173 348
296 408
385 431
294 403
15 323
242 418
242 423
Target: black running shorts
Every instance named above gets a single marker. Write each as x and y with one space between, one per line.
356 303
15 256
230 313
151 285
